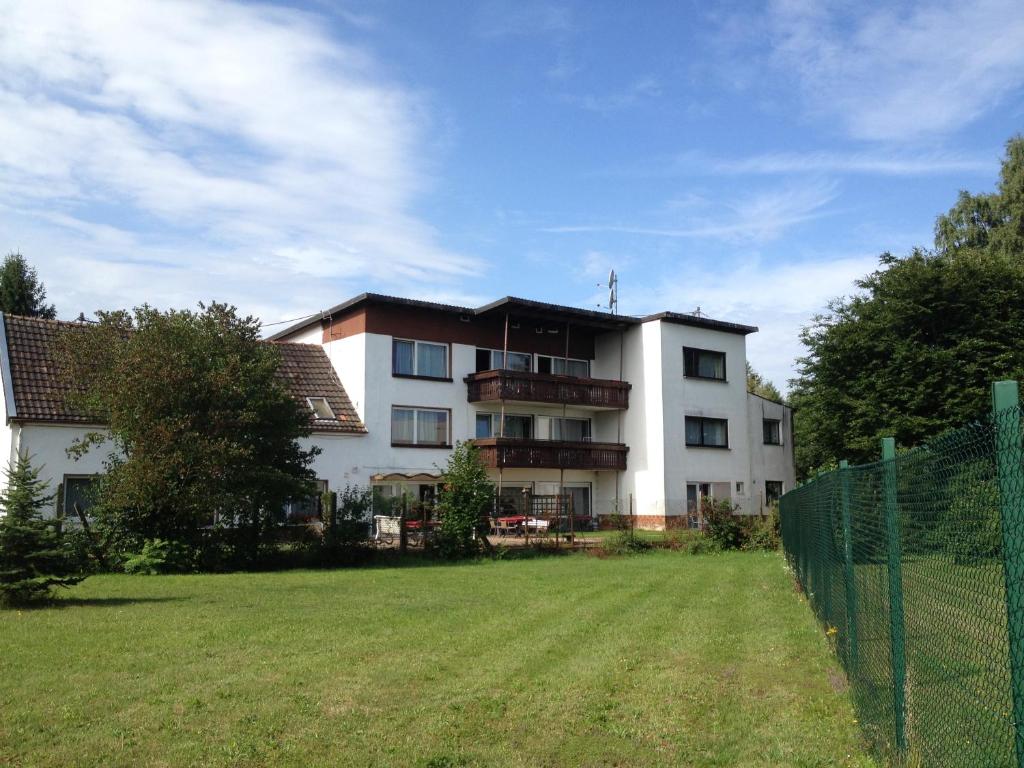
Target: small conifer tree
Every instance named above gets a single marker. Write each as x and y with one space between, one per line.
35 555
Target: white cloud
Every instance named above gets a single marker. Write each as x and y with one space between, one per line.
756 218
870 163
241 151
900 72
778 298
641 89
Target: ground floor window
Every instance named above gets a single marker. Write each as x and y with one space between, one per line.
303 510
389 498
772 491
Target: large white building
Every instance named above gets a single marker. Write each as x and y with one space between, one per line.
635 416
642 416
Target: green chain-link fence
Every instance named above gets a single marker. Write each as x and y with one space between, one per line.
915 566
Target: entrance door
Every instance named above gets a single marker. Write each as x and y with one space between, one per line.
695 495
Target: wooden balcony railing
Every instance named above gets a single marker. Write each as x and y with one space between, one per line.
547 388
513 452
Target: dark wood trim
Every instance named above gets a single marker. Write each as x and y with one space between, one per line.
521 453
421 378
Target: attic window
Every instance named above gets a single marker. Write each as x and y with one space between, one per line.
320 407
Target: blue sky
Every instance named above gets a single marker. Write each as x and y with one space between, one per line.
751 159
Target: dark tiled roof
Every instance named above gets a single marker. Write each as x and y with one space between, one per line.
40 392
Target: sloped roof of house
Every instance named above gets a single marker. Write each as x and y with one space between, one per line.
36 391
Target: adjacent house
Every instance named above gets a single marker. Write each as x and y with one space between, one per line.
641 416
601 413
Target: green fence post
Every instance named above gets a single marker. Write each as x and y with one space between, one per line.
851 586
1009 450
897 632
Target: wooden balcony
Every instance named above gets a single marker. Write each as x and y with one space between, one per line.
513 452
547 388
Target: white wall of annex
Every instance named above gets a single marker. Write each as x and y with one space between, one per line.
769 462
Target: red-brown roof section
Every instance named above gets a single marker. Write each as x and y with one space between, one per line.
40 392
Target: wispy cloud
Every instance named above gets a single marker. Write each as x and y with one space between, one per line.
639 90
242 130
902 71
779 298
758 218
499 18
868 163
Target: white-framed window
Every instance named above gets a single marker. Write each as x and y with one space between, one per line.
495 360
420 426
305 509
703 364
707 433
516 425
563 366
772 432
425 359
320 407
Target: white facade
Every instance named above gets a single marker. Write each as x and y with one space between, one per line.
663 474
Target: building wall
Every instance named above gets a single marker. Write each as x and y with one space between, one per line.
769 462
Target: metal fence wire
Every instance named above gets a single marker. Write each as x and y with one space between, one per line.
915 566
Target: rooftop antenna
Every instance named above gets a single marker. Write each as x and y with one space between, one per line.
613 293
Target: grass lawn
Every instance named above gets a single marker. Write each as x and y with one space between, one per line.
659 659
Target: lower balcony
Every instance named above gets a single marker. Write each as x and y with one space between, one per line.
519 453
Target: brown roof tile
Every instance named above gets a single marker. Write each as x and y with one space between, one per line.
40 393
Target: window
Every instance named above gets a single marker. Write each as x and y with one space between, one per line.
419 358
772 432
494 360
703 364
304 510
739 487
77 491
772 491
563 366
516 425
419 426
320 407
707 433
570 430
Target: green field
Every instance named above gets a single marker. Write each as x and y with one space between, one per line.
660 659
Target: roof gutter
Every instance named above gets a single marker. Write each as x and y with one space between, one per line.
5 367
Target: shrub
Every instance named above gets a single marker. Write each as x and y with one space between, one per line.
353 515
35 555
160 556
722 525
625 543
466 498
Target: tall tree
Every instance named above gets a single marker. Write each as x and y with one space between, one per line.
759 385
21 291
199 423
912 354
34 555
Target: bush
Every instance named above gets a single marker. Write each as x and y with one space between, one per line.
160 556
35 555
722 525
625 543
466 498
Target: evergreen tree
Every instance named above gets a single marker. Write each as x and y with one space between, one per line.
759 385
21 292
34 554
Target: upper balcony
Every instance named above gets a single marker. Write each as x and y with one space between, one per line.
549 388
514 452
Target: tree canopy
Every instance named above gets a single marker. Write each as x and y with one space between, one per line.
759 385
21 291
201 430
913 352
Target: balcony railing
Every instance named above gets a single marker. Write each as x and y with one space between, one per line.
514 452
547 388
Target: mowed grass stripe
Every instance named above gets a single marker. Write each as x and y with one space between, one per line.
662 659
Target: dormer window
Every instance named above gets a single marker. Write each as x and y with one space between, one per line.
320 407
